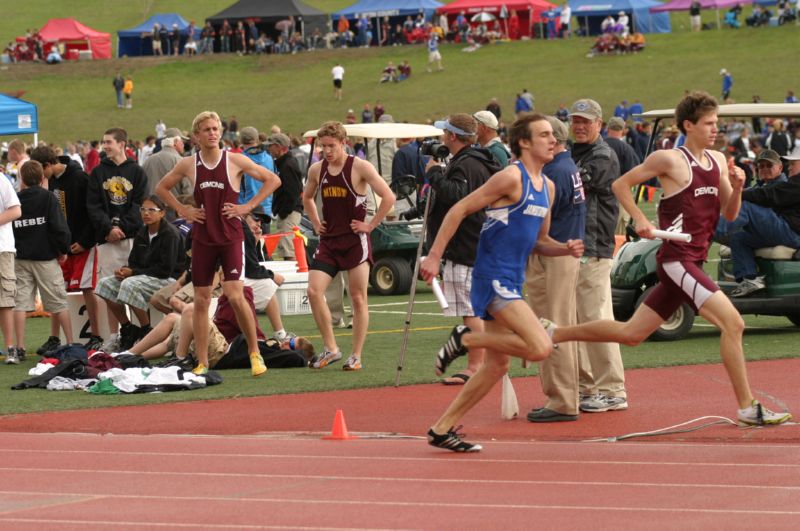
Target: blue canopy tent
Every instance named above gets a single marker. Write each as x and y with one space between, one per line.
396 10
18 117
590 14
132 41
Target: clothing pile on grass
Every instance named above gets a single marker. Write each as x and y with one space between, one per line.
70 367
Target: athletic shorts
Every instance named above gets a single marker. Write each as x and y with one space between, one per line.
680 282
434 56
492 295
207 258
337 83
342 253
457 286
80 270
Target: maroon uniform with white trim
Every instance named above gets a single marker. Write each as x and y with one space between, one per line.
212 189
693 210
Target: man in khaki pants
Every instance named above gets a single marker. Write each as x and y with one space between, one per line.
551 282
601 374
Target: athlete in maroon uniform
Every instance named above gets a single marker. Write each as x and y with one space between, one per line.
217 229
343 183
697 183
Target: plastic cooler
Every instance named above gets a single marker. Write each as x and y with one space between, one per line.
292 295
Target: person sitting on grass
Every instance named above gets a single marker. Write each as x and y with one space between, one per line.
389 73
154 262
42 238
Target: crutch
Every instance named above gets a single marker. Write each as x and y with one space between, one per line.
407 325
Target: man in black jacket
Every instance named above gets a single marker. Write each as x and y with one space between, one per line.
286 203
67 180
42 238
467 171
117 187
601 378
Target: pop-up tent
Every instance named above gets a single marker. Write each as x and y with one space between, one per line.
266 14
528 11
643 18
18 117
75 37
132 41
683 5
396 10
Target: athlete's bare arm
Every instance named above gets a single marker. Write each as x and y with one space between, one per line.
731 182
309 193
241 165
498 191
365 173
183 169
547 246
664 164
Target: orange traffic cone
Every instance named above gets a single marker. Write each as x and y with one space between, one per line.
339 431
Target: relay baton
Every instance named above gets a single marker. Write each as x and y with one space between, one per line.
437 290
669 235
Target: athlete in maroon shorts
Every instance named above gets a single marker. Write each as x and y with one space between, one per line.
696 184
217 229
343 183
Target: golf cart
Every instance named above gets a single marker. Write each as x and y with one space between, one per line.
633 274
394 243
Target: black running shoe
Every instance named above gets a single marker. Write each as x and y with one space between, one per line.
94 343
128 334
452 441
52 343
452 349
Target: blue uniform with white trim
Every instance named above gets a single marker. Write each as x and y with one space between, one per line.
507 238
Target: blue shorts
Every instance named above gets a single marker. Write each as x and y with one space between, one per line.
492 295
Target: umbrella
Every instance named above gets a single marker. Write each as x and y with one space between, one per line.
483 16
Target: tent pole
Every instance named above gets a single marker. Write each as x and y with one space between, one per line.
36 139
719 25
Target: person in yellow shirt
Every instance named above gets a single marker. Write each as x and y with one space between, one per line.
128 91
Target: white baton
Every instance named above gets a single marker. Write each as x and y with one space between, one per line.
669 235
437 290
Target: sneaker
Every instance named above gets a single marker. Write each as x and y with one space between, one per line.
452 441
257 367
599 403
20 354
452 349
200 369
128 334
11 357
353 363
94 343
326 358
758 415
112 344
186 364
52 343
748 286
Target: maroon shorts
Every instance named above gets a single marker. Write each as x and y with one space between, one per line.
207 258
680 282
342 253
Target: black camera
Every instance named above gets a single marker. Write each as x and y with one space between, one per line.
435 149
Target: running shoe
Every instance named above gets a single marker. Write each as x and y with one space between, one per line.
52 343
353 363
94 343
326 358
600 403
452 441
758 415
20 354
257 367
11 356
200 369
748 286
452 349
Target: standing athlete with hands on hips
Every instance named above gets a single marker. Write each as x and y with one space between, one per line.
217 236
517 201
697 184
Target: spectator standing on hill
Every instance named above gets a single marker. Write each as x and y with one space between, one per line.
434 55
69 183
565 19
527 96
287 205
338 78
694 15
175 39
156 40
727 83
366 115
521 106
9 211
42 239
494 107
128 91
166 44
621 110
119 84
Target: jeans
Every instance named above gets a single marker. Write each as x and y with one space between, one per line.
755 227
119 98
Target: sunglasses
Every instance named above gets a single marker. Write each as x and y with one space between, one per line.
145 210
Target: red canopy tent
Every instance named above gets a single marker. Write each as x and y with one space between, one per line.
528 11
75 36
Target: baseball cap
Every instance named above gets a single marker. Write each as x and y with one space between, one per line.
486 118
723 71
586 108
279 139
615 123
174 132
794 155
768 155
560 130
248 135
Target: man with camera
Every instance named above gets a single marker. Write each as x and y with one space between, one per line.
468 169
